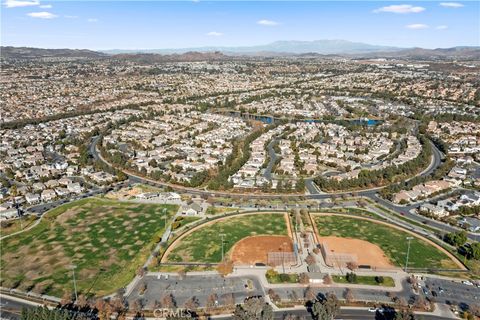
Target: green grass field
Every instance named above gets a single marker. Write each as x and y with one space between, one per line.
107 240
368 280
204 245
392 241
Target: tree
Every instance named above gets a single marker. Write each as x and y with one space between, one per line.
212 300
304 278
168 301
319 312
348 295
309 294
474 251
457 239
192 303
104 309
310 259
228 299
351 277
82 301
273 296
253 308
332 304
327 279
352 265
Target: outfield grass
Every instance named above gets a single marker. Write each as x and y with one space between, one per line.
107 240
392 241
367 280
204 244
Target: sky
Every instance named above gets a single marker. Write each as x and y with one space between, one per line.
102 25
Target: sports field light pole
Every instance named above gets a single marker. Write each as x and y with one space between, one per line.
164 211
222 235
74 282
408 252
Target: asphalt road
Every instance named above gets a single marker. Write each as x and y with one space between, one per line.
345 314
314 194
11 309
273 158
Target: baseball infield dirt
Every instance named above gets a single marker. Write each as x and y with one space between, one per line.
366 252
255 249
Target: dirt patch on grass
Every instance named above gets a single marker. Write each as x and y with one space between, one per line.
255 249
67 215
367 253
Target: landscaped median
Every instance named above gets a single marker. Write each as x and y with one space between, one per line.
352 278
105 240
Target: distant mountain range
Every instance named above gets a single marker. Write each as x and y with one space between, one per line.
279 48
33 53
289 47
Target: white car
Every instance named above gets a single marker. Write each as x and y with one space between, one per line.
468 283
372 310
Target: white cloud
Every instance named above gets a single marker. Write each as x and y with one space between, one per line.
214 34
265 22
416 26
45 6
92 20
42 15
442 27
451 4
400 8
20 3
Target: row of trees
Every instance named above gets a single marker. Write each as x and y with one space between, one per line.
234 161
444 168
459 240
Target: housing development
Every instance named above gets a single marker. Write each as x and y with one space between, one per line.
208 185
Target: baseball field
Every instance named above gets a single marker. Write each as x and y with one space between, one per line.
260 232
390 243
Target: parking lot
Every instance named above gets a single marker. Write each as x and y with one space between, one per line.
447 291
198 286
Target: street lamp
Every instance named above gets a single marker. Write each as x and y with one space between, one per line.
222 235
408 252
74 282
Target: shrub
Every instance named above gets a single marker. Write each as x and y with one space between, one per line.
351 277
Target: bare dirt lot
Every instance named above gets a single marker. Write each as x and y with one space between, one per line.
255 249
366 252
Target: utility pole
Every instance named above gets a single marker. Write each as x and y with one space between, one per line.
222 235
408 252
74 282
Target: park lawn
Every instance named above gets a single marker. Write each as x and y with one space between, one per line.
107 240
367 280
183 221
204 244
392 241
12 226
221 210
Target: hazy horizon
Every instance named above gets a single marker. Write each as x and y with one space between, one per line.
157 25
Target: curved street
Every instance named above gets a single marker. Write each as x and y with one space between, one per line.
401 211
